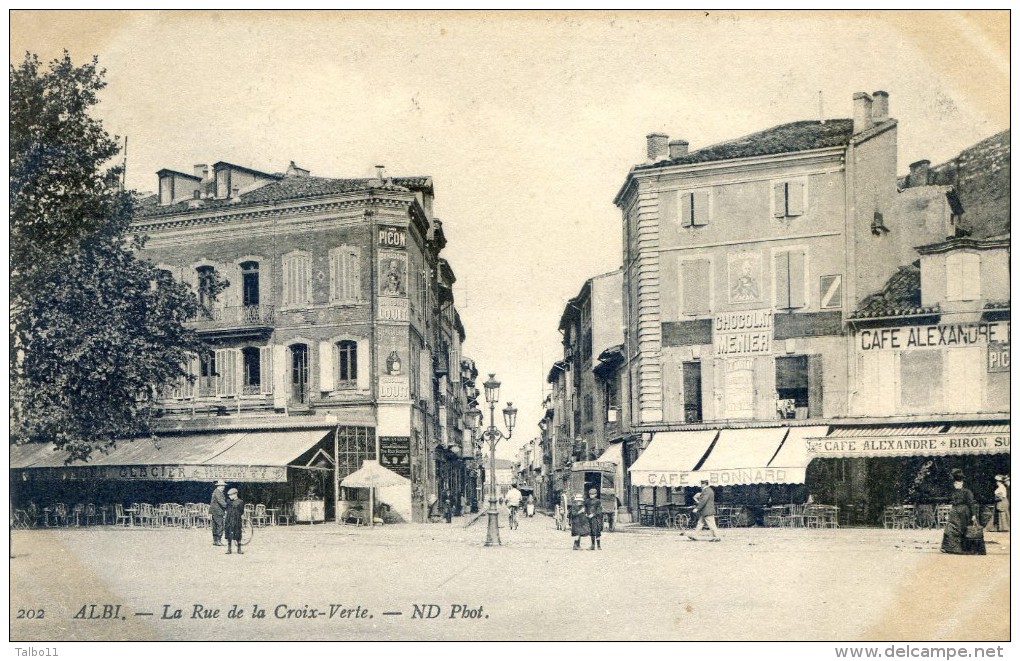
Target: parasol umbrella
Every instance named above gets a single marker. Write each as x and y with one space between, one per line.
371 476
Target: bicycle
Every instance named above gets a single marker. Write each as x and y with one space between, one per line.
247 530
513 518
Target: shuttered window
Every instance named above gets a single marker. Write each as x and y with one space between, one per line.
297 278
695 208
789 279
788 199
345 273
920 380
695 286
963 276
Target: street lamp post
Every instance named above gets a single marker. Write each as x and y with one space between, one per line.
492 436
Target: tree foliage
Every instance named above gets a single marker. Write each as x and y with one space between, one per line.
96 333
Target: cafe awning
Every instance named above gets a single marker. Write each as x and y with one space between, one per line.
671 458
613 454
237 457
743 456
912 440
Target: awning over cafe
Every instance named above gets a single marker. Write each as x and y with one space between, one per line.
744 456
671 457
613 454
236 457
912 440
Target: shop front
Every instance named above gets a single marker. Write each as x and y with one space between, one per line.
899 475
752 470
277 469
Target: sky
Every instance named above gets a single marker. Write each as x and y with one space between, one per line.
528 123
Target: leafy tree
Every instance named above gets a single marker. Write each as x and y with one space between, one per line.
96 333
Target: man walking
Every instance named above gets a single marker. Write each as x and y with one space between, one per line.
705 509
218 508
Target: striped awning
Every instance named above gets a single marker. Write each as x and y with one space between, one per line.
671 457
236 457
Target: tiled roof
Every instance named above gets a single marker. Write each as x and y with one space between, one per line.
785 138
980 177
288 188
901 296
997 305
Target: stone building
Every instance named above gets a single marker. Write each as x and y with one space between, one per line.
742 263
337 317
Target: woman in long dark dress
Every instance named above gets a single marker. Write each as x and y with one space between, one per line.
964 512
579 525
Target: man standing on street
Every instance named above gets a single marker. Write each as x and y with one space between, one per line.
217 508
705 509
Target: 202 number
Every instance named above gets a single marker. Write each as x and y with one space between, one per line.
31 614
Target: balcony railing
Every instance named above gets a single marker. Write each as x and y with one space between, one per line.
239 316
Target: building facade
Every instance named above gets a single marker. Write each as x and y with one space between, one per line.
743 264
326 305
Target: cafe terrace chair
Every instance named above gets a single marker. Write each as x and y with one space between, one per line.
260 518
120 516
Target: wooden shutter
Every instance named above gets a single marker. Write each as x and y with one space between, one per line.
782 279
970 276
798 298
668 207
280 373
954 277
696 286
779 200
701 203
686 217
221 364
288 278
815 375
335 274
306 278
795 198
352 274
364 366
266 370
327 366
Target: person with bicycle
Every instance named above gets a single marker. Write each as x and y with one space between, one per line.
232 520
513 503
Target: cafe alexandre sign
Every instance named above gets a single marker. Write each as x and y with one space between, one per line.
933 336
900 446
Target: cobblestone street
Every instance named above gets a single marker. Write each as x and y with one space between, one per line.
646 584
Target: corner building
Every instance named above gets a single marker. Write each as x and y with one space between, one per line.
337 322
742 262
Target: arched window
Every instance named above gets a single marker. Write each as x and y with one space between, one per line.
249 283
347 364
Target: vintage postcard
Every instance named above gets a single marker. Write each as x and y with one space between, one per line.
350 326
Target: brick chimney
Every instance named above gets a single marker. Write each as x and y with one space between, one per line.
918 173
658 146
879 106
862 112
678 148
